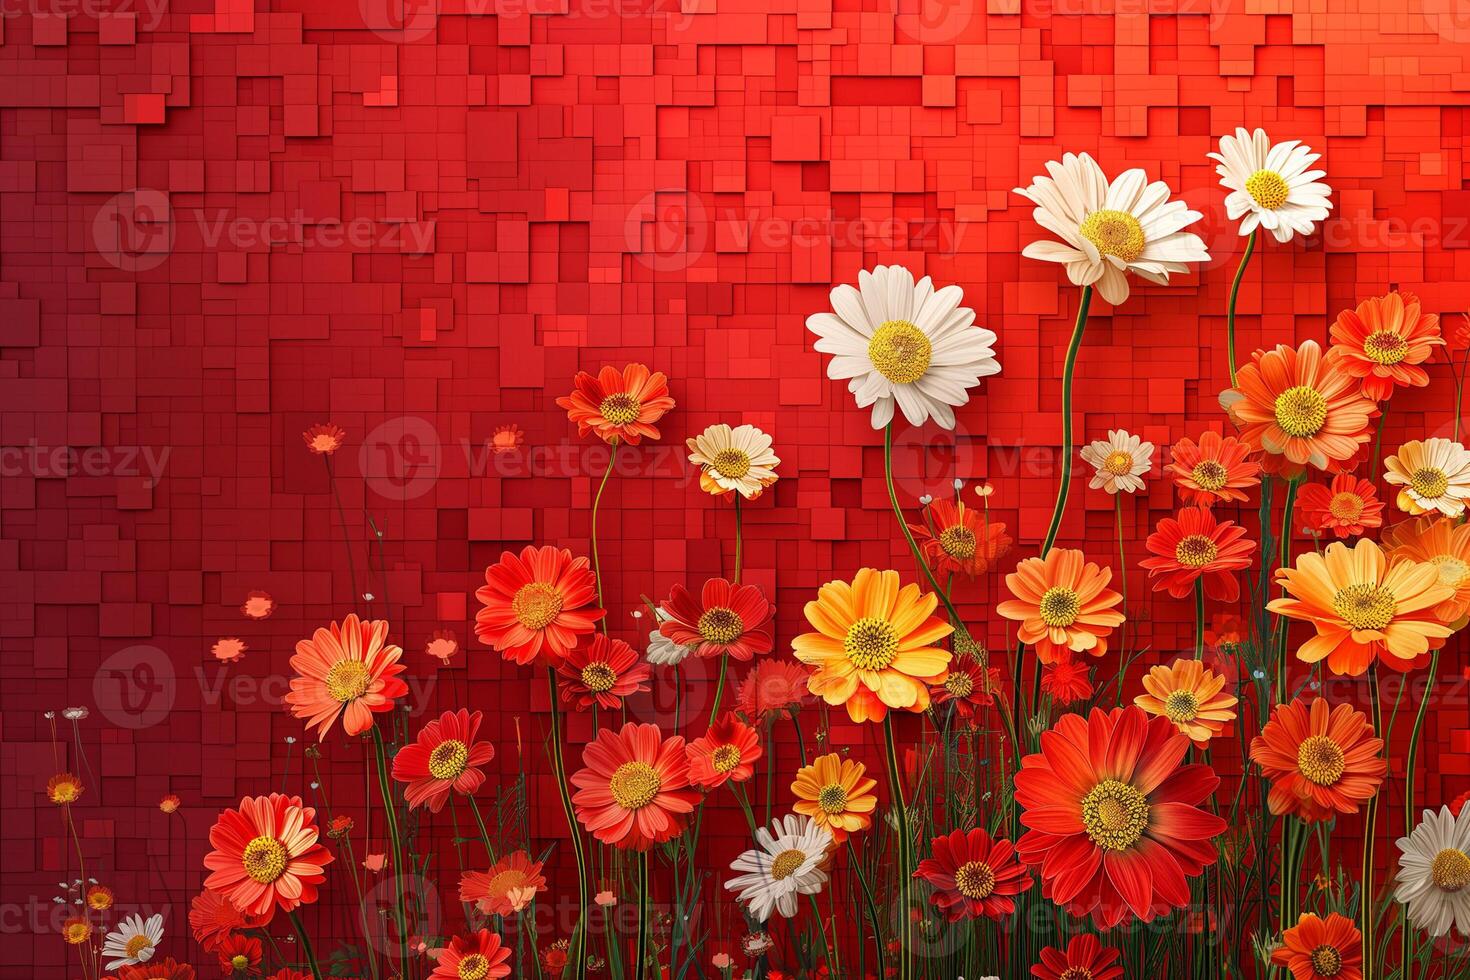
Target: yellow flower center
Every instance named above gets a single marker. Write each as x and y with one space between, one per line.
870 644
1430 482
1181 706
974 879
1450 871
634 785
503 883
731 463
1346 506
598 678
1059 606
1365 607
1077 973
240 962
1326 961
619 408
1118 463
536 604
1452 570
348 680
1385 347
448 759
832 798
725 758
1114 815
1320 760
1210 474
473 967
958 542
900 351
77 931
264 859
959 684
721 625
785 864
1267 188
1195 551
141 942
65 792
1115 233
1301 411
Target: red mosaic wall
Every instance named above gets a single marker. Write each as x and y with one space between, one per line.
220 225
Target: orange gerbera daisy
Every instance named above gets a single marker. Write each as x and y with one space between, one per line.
1217 470
537 605
492 891
618 405
837 794
445 756
1384 341
1195 546
324 439
1363 608
478 957
1191 697
165 969
633 790
1322 760
348 671
266 855
1347 507
1063 605
1321 949
64 789
875 645
962 540
603 672
727 752
1299 407
725 619
1445 544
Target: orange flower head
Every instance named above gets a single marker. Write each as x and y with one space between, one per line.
1197 547
446 756
1347 507
1191 697
64 789
1085 958
1216 470
618 405
874 645
963 539
228 649
536 606
727 753
602 673
1067 681
507 439
1299 407
837 794
492 891
76 930
258 605
1384 341
725 619
1321 949
1322 760
478 957
633 788
170 803
99 898
348 671
1445 544
324 440
155 969
1363 608
973 876
266 855
1063 604
442 645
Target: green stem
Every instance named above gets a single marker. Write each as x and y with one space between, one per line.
484 832
1199 618
714 710
738 539
1366 925
396 842
872 907
316 971
612 457
576 952
1250 248
346 541
640 963
1282 694
1068 368
1410 934
905 853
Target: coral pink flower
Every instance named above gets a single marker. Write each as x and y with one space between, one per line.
445 756
632 791
348 671
1384 341
726 618
773 686
1196 546
618 405
266 855
492 891
537 605
727 752
1346 508
1217 470
602 673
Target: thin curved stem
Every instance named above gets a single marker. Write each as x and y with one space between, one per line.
640 963
714 709
1370 829
1282 694
872 907
738 539
390 814
1068 368
1410 934
908 535
905 853
1199 618
1250 248
484 832
316 971
612 457
346 541
576 952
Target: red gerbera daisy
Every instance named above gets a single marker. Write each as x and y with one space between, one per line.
1086 958
1196 546
973 875
1321 759
618 405
477 957
1067 681
324 439
266 855
490 891
239 956
1384 341
1346 508
773 686
1217 470
1321 949
347 671
962 540
445 756
968 687
537 604
165 969
633 788
726 618
1113 814
602 673
727 753
212 919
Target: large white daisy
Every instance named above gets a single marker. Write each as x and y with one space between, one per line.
894 341
1434 872
737 460
1119 462
1433 475
133 941
785 864
1110 229
1270 184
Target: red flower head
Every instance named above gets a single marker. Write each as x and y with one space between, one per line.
239 956
602 673
968 686
1067 681
1217 470
973 876
490 891
1321 949
266 855
1384 341
773 686
537 605
1086 958
632 791
727 752
347 671
1346 508
1196 546
445 756
963 540
477 957
164 969
726 618
1114 816
212 919
618 405
324 439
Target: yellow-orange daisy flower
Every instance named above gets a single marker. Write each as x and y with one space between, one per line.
837 794
347 670
1384 341
619 405
1321 759
63 789
1191 697
1063 605
1217 470
1445 544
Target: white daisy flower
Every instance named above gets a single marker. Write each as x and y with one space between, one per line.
1434 475
894 341
1270 184
1434 872
662 650
133 941
1108 230
736 460
1120 461
785 864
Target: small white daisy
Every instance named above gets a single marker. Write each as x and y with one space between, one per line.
785 864
736 460
1110 229
1434 872
894 341
1270 184
133 941
1119 462
1434 475
662 650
